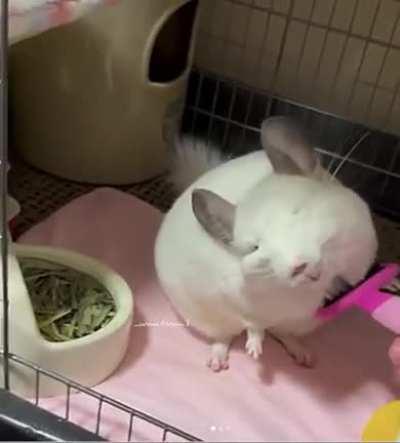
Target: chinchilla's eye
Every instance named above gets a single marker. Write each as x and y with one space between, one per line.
247 247
253 248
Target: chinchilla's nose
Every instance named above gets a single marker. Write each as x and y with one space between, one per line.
308 270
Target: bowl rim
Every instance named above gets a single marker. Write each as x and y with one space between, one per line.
119 289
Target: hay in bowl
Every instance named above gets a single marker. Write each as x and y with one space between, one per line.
67 303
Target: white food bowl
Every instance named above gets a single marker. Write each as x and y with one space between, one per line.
87 360
13 208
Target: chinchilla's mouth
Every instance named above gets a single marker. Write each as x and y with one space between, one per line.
261 272
331 299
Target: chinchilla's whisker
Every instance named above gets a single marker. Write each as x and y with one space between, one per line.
349 153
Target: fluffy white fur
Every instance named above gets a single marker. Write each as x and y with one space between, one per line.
281 221
190 160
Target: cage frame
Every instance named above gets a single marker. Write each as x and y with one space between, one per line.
342 156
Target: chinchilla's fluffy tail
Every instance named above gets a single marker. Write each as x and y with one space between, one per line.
191 159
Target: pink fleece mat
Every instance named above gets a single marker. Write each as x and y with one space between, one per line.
164 372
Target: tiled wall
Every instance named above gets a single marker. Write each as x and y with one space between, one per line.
340 56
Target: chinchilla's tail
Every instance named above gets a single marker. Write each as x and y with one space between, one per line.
190 159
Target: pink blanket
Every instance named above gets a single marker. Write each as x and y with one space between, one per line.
164 372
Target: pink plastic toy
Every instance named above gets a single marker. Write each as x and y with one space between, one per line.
375 296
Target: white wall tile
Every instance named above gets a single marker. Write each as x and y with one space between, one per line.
386 20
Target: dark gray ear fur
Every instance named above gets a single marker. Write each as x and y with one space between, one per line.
338 286
215 214
288 147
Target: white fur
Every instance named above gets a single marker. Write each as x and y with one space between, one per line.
191 159
221 292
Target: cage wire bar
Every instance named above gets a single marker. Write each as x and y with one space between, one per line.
4 187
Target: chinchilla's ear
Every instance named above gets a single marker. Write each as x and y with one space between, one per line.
288 146
215 214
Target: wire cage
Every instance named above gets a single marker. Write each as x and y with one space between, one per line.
334 64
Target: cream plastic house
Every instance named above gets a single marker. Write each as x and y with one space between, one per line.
103 93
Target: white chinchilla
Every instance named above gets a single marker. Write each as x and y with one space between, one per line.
258 242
